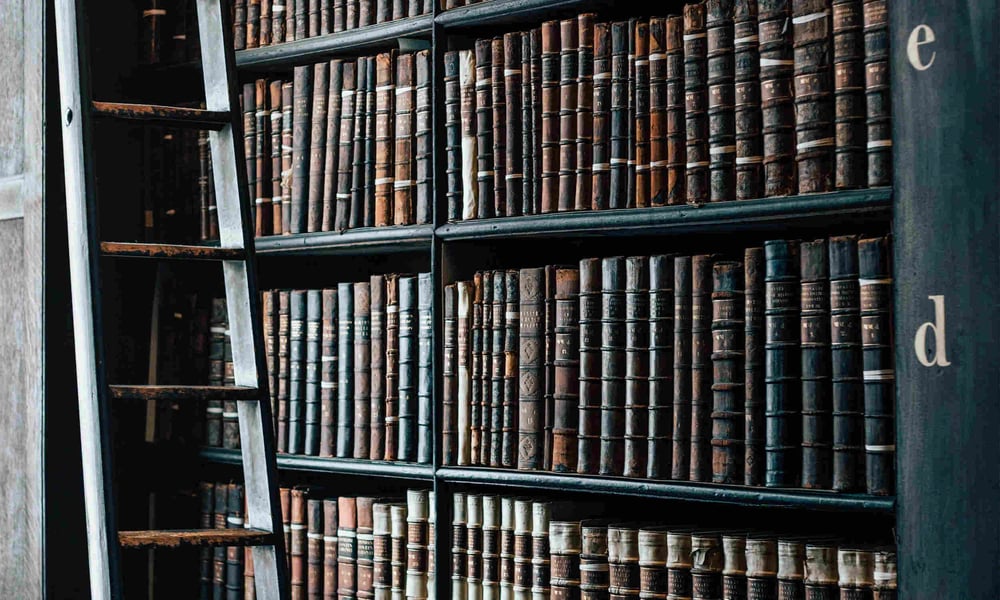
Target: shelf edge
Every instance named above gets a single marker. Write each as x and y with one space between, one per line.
338 466
367 240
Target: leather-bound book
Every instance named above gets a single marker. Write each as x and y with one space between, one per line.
885 587
289 16
278 10
721 100
491 546
531 377
383 11
509 410
653 562
706 566
676 113
352 14
381 551
391 367
449 378
813 89
484 128
641 114
821 576
431 545
464 350
701 368
425 357
618 181
549 393
696 103
565 417
791 569
486 375
204 186
846 366
253 24
317 147
296 371
423 171
856 573
347 548
584 111
817 421
398 9
230 414
612 366
334 105
564 560
527 127
339 15
287 155
728 418
476 384
850 169
875 277
216 365
497 359
342 214
630 194
248 101
331 549
301 13
681 466
749 141
403 157
239 28
366 548
366 13
777 106
588 446
284 323
314 332
385 126
568 100
249 585
782 368
299 547
661 365
314 549
358 146
301 128
407 368
550 71
474 548
594 569
234 554
397 522
313 18
601 164
345 370
285 499
537 114
734 567
262 160
679 563
277 192
362 369
522 548
376 400
498 93
506 547
453 136
328 374
459 543
269 310
206 495
658 111
761 568
877 92
152 29
623 562
468 114
513 78
636 360
753 356
541 514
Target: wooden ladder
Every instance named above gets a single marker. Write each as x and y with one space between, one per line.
223 119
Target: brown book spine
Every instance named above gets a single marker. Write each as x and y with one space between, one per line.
856 573
676 113
284 325
620 117
302 29
701 368
486 376
641 113
817 422
753 356
317 154
623 562
875 277
453 136
376 446
601 165
239 8
588 446
584 112
782 364
298 548
365 548
682 368
636 361
362 369
464 349
567 368
509 439
497 358
661 375
548 396
537 114
652 563
296 373
235 554
734 567
328 374
721 101
762 568
491 546
351 14
696 103
630 145
278 9
469 114
484 127
499 94
381 551
366 13
342 213
449 376
385 99
513 76
474 546
507 509
204 187
706 566
347 548
849 94
301 129
568 100
345 370
821 576
261 154
357 183
266 22
424 169
531 344
369 146
398 526
290 12
269 310
728 347
248 101
877 92
813 89
391 366
658 153
216 368
749 143
314 549
476 385
313 402
529 134
612 366
253 24
383 11
550 68
277 189
846 365
594 570
339 15
776 97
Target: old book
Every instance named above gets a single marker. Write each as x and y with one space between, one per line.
270 311
877 92
334 105
791 569
464 350
696 103
661 364
776 97
886 584
289 16
253 23
541 513
734 567
601 164
531 347
449 377
366 13
537 113
636 360
385 101
358 147
407 450
681 466
658 153
205 213
248 101
329 374
425 374
262 160
484 127
782 364
383 11
313 18
875 278
749 141
297 550
701 368
848 405
277 191
529 134
296 371
523 581
468 114
855 573
352 14
813 89
498 93
345 158
640 90
285 499
509 439
652 562
513 78
301 130
679 564
623 562
676 113
817 421
474 547
550 126
345 369
347 547
301 19
850 167
762 567
565 418
564 559
613 370
721 100
362 369
820 579
496 367
476 384
548 395
754 432
618 197
313 333
317 147
206 495
284 323
398 539
485 421
249 581
287 154
424 169
568 101
459 543
507 547
314 549
706 565
594 570
234 554
403 157
583 112
728 387
381 551
431 545
588 446
453 136
391 367
376 445
339 15
239 27
491 546
365 548
216 367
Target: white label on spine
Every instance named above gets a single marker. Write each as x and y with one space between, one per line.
877 448
213 410
880 375
383 180
721 149
234 520
657 56
659 163
746 39
774 62
404 89
277 8
384 88
601 167
815 144
604 75
809 18
230 415
880 144
887 281
509 72
298 526
314 536
749 160
693 36
403 183
695 165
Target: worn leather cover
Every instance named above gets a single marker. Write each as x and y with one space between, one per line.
728 387
661 365
877 92
875 276
749 136
345 370
813 88
782 369
846 365
636 362
817 419
777 106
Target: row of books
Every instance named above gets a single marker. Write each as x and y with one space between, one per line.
507 547
733 100
346 547
771 368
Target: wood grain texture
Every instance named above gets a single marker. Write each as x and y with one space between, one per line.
136 540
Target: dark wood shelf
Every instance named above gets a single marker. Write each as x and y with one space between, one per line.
510 12
818 210
365 241
670 490
339 466
343 43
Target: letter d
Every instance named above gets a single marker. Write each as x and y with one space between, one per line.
940 357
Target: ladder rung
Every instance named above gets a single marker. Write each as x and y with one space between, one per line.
176 538
168 251
169 115
184 392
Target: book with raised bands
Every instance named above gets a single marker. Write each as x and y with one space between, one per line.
612 456
696 103
636 365
682 368
531 348
813 92
588 436
777 106
568 104
565 418
754 386
817 421
728 387
701 368
362 370
550 103
749 140
661 365
782 364
875 278
846 365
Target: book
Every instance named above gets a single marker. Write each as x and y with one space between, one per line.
424 375
464 349
676 113
216 366
459 537
381 550
535 58
485 413
284 323
681 466
261 157
287 153
548 395
753 363
385 127
277 190
509 438
878 99
362 370
506 547
398 539
746 107
550 121
484 128
636 360
474 548
365 565
658 153
850 168
529 131
875 279
206 496
762 567
564 559
348 108
449 378
513 85
453 136
468 113
392 330
334 105
817 422
623 562
497 360
601 166
679 564
302 86
234 554
347 547
813 90
377 387
855 572
594 569
345 370
782 364
728 387
886 585
317 146
314 548
498 93
404 184
630 145
531 347
661 355
588 447
523 571
652 542
239 25
612 366
329 374
777 105
565 418
618 180
491 546
296 371
541 513
298 549
706 565
721 100
407 368
701 368
301 19
476 384
791 568
696 103
821 577
584 110
314 331
358 145
568 102
424 168
734 567
285 500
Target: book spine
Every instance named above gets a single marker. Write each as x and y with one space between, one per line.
230 414
302 19
550 126
612 366
721 100
877 92
296 371
496 367
594 570
253 33
531 282
849 95
513 79
261 154
425 373
383 11
204 185
491 546
682 368
325 17
706 566
588 446
366 13
342 214
365 549
564 548
314 330
734 568
486 373
528 132
301 129
701 368
339 13
619 115
234 554
548 395
476 385
285 499
362 369
652 563
658 153
345 370
856 573
601 163
821 577
474 548
287 154
239 8
568 101
347 548
381 551
749 143
506 548
459 544
623 562
248 101
817 422
777 105
249 585
216 368
540 565
464 349
499 94
376 400
351 14
813 89
385 92
782 363
886 585
761 568
565 419
636 359
754 389
397 514
511 372
468 113
329 375
317 154
875 278
297 550
313 18
358 187
284 325
392 348
630 145
289 16
453 136
846 365
449 377
696 103
314 549
661 356
206 495
277 190
676 113
424 169
728 346
679 563
278 9
522 549
484 127
537 114
641 113
407 368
